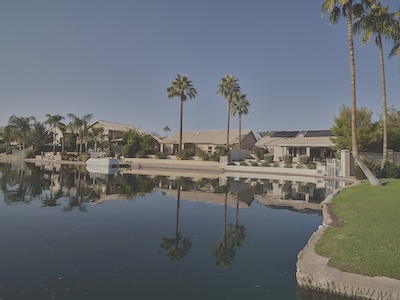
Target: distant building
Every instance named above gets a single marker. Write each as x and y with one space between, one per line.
207 140
314 143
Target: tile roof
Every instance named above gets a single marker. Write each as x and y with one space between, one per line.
212 137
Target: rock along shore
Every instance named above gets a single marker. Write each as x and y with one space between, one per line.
313 272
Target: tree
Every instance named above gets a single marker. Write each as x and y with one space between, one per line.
378 21
228 88
38 136
240 106
96 134
394 129
349 8
21 127
262 133
369 139
7 135
54 121
182 88
80 124
166 129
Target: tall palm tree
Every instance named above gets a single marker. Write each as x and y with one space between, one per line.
379 22
228 88
182 88
63 129
349 8
7 134
21 127
54 122
80 124
240 106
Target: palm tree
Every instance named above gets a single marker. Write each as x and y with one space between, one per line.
38 136
176 248
166 129
378 21
228 88
54 121
7 134
348 8
96 134
240 106
80 124
181 87
21 127
63 129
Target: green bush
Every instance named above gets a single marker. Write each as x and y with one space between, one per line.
30 154
269 157
265 164
258 152
299 166
184 154
64 155
275 165
287 158
289 165
160 155
141 154
84 157
311 166
254 163
391 170
304 159
203 155
373 166
243 163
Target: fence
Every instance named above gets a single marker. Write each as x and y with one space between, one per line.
333 167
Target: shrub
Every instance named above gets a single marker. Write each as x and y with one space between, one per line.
141 154
287 158
254 163
64 155
265 164
269 157
299 166
311 166
84 157
275 165
391 170
243 163
30 154
184 154
374 168
304 159
203 155
289 165
258 152
160 155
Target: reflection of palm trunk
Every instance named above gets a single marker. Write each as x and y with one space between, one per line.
237 208
178 198
225 213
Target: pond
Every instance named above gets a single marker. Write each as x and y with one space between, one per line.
70 234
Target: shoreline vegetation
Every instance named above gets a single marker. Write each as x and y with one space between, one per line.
366 239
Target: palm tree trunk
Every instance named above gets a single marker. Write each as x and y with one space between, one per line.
370 176
181 124
384 107
240 131
229 120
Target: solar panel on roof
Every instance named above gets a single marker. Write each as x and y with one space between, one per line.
317 133
285 134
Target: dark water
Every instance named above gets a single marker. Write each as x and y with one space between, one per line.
67 234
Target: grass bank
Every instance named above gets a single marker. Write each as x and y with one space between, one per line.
368 240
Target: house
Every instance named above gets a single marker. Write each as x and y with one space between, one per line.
112 133
207 140
314 143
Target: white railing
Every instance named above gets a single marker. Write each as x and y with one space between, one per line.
333 167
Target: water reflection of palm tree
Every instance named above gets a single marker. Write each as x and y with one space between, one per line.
233 237
176 248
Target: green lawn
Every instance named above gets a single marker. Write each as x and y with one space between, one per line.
368 240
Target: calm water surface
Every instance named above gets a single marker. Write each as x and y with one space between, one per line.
69 234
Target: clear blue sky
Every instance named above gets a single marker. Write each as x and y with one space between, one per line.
115 59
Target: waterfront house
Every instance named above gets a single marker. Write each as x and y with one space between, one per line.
314 143
207 140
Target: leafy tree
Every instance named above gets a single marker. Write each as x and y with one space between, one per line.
262 133
379 22
394 129
228 88
349 8
369 139
240 106
135 141
54 121
182 88
96 134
